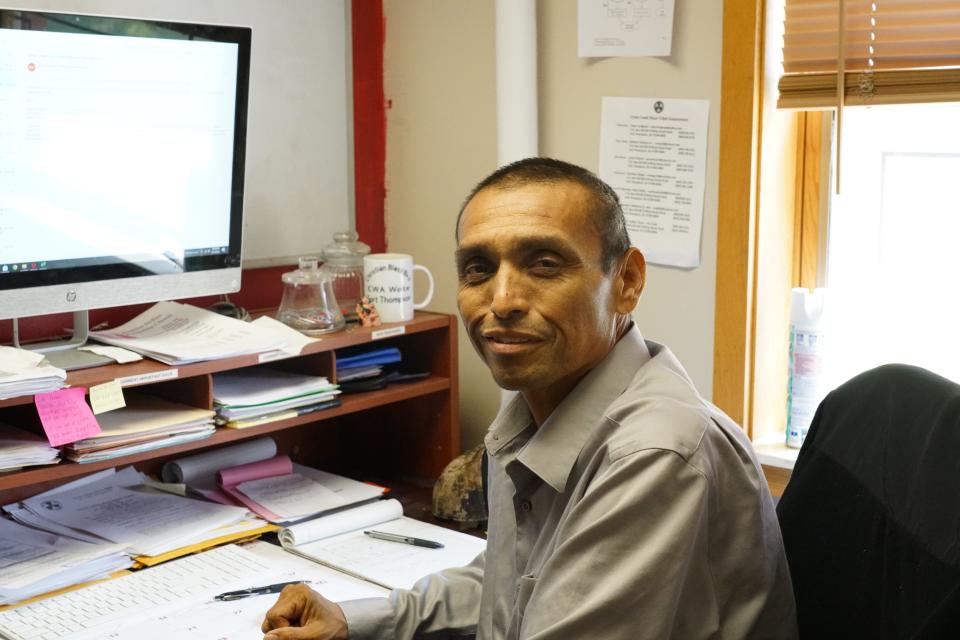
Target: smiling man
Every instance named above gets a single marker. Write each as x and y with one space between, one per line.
622 504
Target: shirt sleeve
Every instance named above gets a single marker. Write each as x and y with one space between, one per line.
631 557
447 600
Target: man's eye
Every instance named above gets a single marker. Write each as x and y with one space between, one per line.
546 266
474 271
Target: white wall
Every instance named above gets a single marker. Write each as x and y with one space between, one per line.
441 139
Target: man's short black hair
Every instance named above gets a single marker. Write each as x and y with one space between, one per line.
607 213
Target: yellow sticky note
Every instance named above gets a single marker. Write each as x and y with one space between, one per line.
106 397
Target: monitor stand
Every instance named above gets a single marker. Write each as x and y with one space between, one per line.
64 354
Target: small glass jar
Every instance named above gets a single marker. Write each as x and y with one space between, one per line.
309 304
343 264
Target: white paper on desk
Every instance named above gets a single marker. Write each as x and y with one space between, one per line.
624 28
653 152
33 562
242 618
145 522
21 514
177 333
198 617
291 496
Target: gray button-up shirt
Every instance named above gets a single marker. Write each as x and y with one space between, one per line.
637 510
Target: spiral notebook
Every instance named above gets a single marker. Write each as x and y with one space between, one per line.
338 541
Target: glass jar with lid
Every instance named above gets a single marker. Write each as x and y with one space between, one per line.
309 304
343 264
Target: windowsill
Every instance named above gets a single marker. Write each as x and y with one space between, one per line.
775 453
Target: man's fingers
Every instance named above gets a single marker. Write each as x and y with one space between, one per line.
273 622
288 608
310 632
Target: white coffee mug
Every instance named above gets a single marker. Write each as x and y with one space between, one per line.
389 285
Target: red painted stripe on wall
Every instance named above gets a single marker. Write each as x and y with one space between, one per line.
369 121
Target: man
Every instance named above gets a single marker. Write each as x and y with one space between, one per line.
622 504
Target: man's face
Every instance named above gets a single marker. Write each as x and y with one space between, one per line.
533 295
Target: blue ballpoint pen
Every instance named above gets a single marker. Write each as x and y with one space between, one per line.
256 591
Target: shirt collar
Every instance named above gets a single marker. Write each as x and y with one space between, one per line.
554 448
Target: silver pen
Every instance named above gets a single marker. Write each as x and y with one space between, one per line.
256 591
396 537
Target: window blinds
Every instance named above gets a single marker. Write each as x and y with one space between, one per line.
891 51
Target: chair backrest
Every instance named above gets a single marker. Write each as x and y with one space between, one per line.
871 515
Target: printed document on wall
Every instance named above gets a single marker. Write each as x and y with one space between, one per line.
624 28
653 152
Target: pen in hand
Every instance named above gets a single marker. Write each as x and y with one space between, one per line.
256 591
395 537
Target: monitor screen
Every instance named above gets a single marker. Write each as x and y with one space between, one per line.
121 160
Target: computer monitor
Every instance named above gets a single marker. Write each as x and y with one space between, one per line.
122 145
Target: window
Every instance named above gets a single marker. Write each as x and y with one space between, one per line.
884 248
893 229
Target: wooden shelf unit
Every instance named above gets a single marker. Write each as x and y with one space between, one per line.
407 431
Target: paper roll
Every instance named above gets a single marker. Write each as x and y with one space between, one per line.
204 465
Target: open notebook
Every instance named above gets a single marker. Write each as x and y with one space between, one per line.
338 541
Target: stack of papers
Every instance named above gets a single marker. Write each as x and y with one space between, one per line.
146 423
119 508
35 562
19 448
367 364
176 334
27 373
248 397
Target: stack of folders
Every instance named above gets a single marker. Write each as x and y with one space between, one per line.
364 370
146 423
36 562
258 395
19 448
25 373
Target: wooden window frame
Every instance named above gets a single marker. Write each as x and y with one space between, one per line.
760 257
740 91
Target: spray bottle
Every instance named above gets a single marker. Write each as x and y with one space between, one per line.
806 386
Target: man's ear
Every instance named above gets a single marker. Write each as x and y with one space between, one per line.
630 280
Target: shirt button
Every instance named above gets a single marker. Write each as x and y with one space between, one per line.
526 506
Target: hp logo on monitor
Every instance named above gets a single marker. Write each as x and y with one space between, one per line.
72 295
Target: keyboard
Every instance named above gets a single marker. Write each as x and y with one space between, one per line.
96 610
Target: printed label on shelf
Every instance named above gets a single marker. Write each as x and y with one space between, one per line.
270 356
388 333
168 374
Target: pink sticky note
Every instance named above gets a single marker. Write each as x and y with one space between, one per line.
65 416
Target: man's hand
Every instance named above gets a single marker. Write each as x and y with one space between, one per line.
303 614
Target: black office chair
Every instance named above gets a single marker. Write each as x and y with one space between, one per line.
871 515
